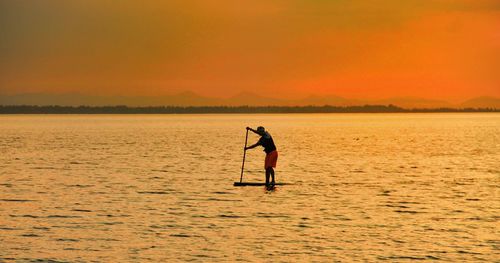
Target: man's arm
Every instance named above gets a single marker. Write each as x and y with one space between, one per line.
256 144
252 146
250 129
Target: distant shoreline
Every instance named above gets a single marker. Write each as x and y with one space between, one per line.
30 109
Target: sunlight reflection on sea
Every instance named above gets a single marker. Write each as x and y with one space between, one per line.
366 187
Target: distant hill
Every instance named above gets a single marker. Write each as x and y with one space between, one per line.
481 102
251 99
75 99
241 99
412 102
326 100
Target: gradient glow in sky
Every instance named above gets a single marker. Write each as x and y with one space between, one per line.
437 49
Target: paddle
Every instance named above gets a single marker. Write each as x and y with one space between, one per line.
244 154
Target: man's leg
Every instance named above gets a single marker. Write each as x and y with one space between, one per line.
272 175
268 174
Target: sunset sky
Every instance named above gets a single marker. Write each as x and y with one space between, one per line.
436 49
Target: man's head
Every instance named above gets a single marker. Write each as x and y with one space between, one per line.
261 130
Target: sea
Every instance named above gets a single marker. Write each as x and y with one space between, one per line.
159 188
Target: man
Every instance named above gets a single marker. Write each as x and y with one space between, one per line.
267 142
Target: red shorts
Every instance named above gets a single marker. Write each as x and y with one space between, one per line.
271 159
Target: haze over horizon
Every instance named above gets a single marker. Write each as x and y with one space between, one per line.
434 50
189 98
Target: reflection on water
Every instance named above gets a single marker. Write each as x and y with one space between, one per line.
367 187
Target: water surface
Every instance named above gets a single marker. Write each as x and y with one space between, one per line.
150 188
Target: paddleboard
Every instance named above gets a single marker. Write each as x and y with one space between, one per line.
255 184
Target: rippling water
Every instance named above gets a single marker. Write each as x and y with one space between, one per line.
366 187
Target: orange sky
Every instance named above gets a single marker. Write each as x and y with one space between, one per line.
437 49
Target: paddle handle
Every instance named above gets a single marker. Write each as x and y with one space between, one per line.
244 154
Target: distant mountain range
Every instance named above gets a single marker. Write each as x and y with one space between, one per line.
244 98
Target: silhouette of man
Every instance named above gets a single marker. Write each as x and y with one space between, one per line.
267 142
